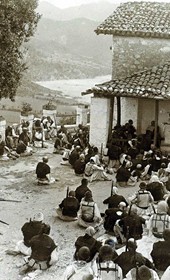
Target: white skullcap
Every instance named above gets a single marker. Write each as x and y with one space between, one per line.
39 217
90 231
114 190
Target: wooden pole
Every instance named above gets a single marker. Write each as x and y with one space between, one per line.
156 122
118 111
111 118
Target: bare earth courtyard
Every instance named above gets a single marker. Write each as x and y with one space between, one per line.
18 183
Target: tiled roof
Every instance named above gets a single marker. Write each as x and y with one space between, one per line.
153 83
140 19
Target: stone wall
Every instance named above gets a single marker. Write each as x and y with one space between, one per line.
132 54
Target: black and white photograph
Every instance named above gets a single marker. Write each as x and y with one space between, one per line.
84 140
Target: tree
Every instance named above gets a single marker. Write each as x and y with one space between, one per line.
18 19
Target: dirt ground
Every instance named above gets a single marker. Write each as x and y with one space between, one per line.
17 182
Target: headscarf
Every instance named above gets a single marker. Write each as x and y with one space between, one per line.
162 207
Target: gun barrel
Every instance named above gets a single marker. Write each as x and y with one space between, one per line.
4 223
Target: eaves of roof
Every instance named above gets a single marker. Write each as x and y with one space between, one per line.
153 83
139 19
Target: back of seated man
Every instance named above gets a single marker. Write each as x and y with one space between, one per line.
43 171
69 207
43 253
30 229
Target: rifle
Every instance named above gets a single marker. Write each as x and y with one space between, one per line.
67 192
9 200
101 152
4 223
112 185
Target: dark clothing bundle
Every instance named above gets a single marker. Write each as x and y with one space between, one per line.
24 138
80 192
90 242
79 166
70 206
161 254
114 200
123 174
42 246
130 259
73 157
33 228
132 226
156 190
114 152
21 148
42 170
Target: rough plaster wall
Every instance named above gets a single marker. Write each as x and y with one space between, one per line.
99 121
132 54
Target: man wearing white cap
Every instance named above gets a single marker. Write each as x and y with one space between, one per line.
30 229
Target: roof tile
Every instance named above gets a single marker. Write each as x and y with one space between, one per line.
151 83
143 19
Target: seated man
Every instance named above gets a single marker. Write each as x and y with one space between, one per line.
114 200
159 221
43 172
89 214
107 269
94 171
89 241
22 150
30 229
68 208
130 258
130 226
143 200
79 165
143 272
43 253
82 189
114 214
161 252
81 269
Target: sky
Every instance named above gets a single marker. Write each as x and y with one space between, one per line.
70 3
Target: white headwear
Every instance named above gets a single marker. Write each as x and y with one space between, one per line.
39 217
93 158
168 168
154 178
90 231
114 190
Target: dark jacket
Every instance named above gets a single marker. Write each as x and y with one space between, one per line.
70 206
80 192
161 254
33 228
114 200
42 246
90 242
42 170
132 226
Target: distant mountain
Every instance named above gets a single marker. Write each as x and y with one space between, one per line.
94 11
65 45
68 49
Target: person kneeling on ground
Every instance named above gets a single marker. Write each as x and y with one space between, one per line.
43 172
143 272
30 229
43 253
89 214
68 208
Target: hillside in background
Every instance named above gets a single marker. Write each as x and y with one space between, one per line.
65 45
94 11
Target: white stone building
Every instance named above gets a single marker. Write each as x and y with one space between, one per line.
140 71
